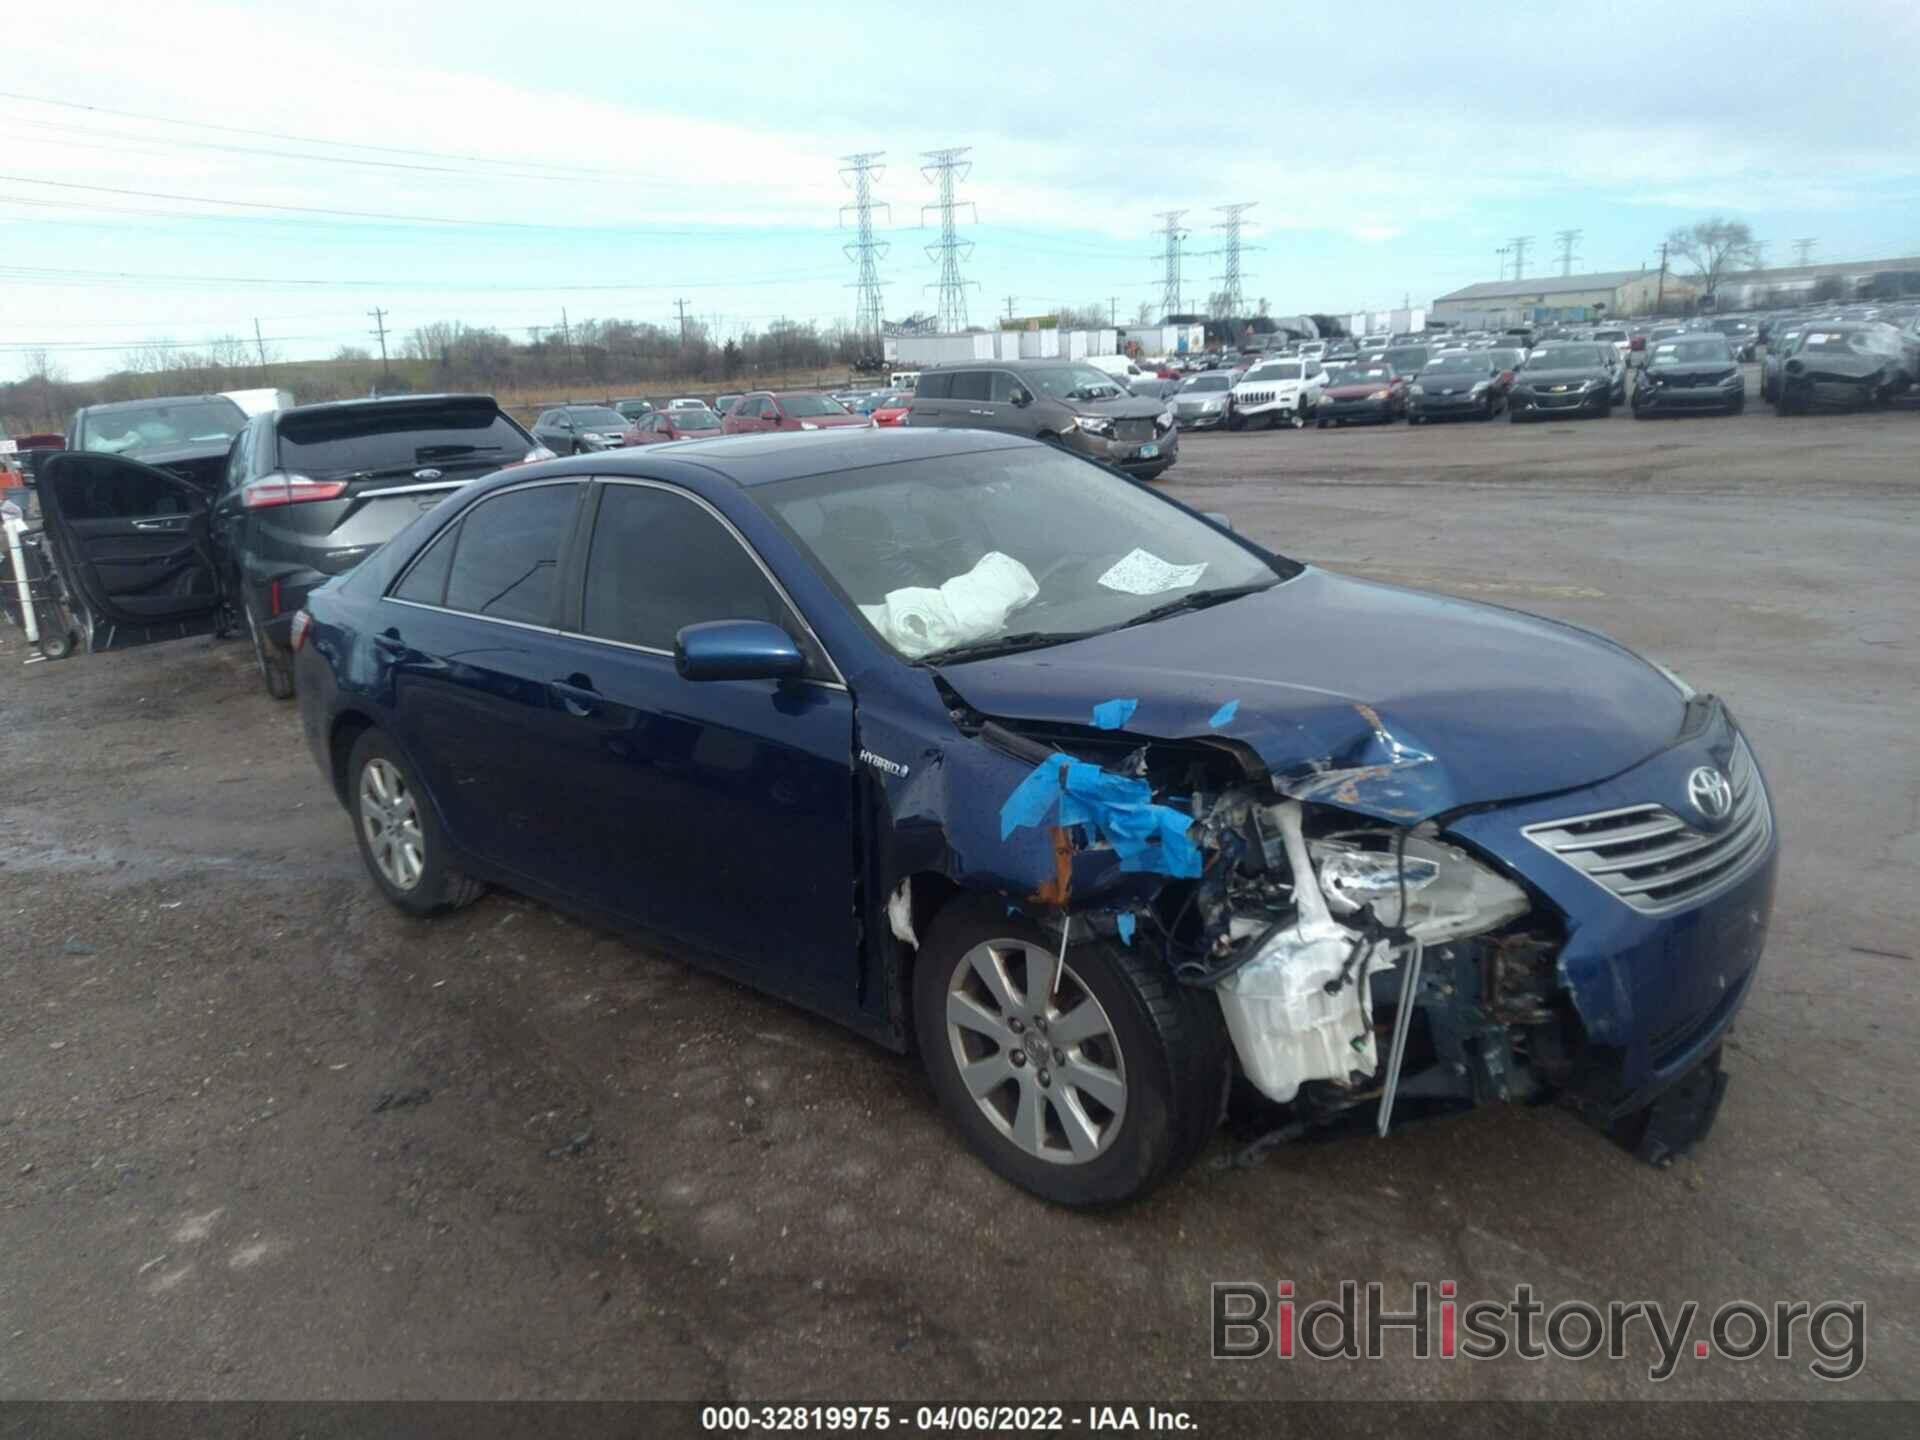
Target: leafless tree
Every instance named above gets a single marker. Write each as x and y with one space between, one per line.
1714 248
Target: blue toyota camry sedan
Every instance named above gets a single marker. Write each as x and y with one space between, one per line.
999 757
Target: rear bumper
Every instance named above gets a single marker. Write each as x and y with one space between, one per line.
276 594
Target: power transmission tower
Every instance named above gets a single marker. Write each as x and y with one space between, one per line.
1170 293
944 169
566 334
1518 245
1567 239
869 316
259 343
1803 250
379 318
681 306
1230 302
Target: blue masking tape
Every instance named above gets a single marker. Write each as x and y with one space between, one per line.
1224 715
1114 714
1125 924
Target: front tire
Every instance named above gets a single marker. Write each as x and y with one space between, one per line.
276 666
405 850
1087 1096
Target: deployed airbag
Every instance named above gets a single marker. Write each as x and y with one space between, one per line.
918 619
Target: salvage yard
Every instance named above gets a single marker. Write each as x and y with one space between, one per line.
261 1136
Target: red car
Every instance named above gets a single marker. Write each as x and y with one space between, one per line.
893 409
683 424
786 410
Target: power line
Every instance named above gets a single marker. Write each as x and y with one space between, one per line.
1518 245
320 209
943 170
50 275
492 160
869 315
1567 239
1170 286
1230 301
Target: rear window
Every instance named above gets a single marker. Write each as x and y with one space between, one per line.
374 440
809 405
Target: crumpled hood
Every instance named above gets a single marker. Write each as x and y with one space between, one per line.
1384 701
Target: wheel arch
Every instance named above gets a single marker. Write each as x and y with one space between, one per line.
347 728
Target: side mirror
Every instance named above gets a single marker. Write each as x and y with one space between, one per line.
1022 397
736 650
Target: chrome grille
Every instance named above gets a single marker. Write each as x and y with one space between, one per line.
1253 397
1655 861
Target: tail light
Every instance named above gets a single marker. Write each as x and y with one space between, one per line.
297 636
271 490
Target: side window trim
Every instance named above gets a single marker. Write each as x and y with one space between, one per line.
449 533
582 545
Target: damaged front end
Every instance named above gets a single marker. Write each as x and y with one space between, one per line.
1356 961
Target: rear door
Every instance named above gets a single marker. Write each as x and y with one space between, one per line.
932 403
133 543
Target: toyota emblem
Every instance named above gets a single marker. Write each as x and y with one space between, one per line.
1711 793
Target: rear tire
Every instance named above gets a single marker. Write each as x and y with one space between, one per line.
1156 1049
401 842
276 666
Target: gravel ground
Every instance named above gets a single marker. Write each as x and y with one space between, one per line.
263 1137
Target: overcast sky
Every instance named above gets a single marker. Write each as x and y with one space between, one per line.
477 162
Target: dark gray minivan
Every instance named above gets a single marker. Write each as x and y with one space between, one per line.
1065 401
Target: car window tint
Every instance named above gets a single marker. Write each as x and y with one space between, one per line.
1003 387
934 387
659 562
970 385
426 582
509 552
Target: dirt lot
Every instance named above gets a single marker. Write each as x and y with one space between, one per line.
262 1137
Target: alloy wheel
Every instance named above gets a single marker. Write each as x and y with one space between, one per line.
1045 1069
391 818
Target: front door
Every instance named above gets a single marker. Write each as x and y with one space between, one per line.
133 544
720 812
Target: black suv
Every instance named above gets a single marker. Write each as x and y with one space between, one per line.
1067 402
147 552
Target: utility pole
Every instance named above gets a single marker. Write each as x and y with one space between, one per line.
259 343
944 169
1502 252
1518 245
1230 302
681 306
1170 291
566 334
1113 310
1010 300
1803 250
1567 240
869 314
1660 295
379 318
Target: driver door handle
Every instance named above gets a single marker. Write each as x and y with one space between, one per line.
579 700
168 524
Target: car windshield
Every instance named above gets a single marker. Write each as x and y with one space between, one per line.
1366 375
1408 357
1610 335
595 417
631 408
164 425
1835 342
331 442
1689 352
1208 382
1456 365
695 420
1276 370
1566 357
1074 382
960 551
1505 359
805 406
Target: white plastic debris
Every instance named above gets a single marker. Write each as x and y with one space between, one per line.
900 914
1285 1026
918 620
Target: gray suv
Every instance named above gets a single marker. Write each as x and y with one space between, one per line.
1065 401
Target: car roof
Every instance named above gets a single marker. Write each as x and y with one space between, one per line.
763 459
146 404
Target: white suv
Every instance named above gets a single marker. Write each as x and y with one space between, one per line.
1277 391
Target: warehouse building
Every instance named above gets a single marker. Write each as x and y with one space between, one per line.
1557 299
1835 280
